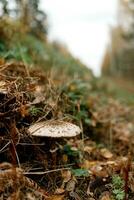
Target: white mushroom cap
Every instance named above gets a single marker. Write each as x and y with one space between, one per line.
54 129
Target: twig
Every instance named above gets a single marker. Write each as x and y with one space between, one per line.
4 66
5 146
33 144
46 172
17 157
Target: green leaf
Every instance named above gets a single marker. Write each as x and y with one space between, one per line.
34 111
80 172
119 194
87 121
117 181
70 152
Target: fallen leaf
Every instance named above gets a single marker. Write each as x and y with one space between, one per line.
71 185
88 149
56 197
65 158
106 153
59 191
66 175
88 164
74 195
105 196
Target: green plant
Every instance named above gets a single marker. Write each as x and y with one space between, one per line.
68 150
80 172
117 187
17 53
34 111
73 154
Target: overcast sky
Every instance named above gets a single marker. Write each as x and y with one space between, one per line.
83 25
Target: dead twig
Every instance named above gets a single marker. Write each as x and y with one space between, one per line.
46 172
3 148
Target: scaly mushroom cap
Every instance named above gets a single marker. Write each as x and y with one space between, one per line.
54 129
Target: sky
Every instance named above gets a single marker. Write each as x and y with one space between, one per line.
83 26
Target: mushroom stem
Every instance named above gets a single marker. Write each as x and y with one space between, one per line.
53 152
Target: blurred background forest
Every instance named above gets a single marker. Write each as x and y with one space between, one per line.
24 30
24 37
118 56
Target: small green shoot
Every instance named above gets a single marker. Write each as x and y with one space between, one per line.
34 111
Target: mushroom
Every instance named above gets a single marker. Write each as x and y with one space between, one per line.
54 129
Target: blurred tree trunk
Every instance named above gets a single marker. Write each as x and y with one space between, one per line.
5 9
31 16
120 61
23 10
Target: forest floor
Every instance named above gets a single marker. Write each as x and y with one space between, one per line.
41 84
98 164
